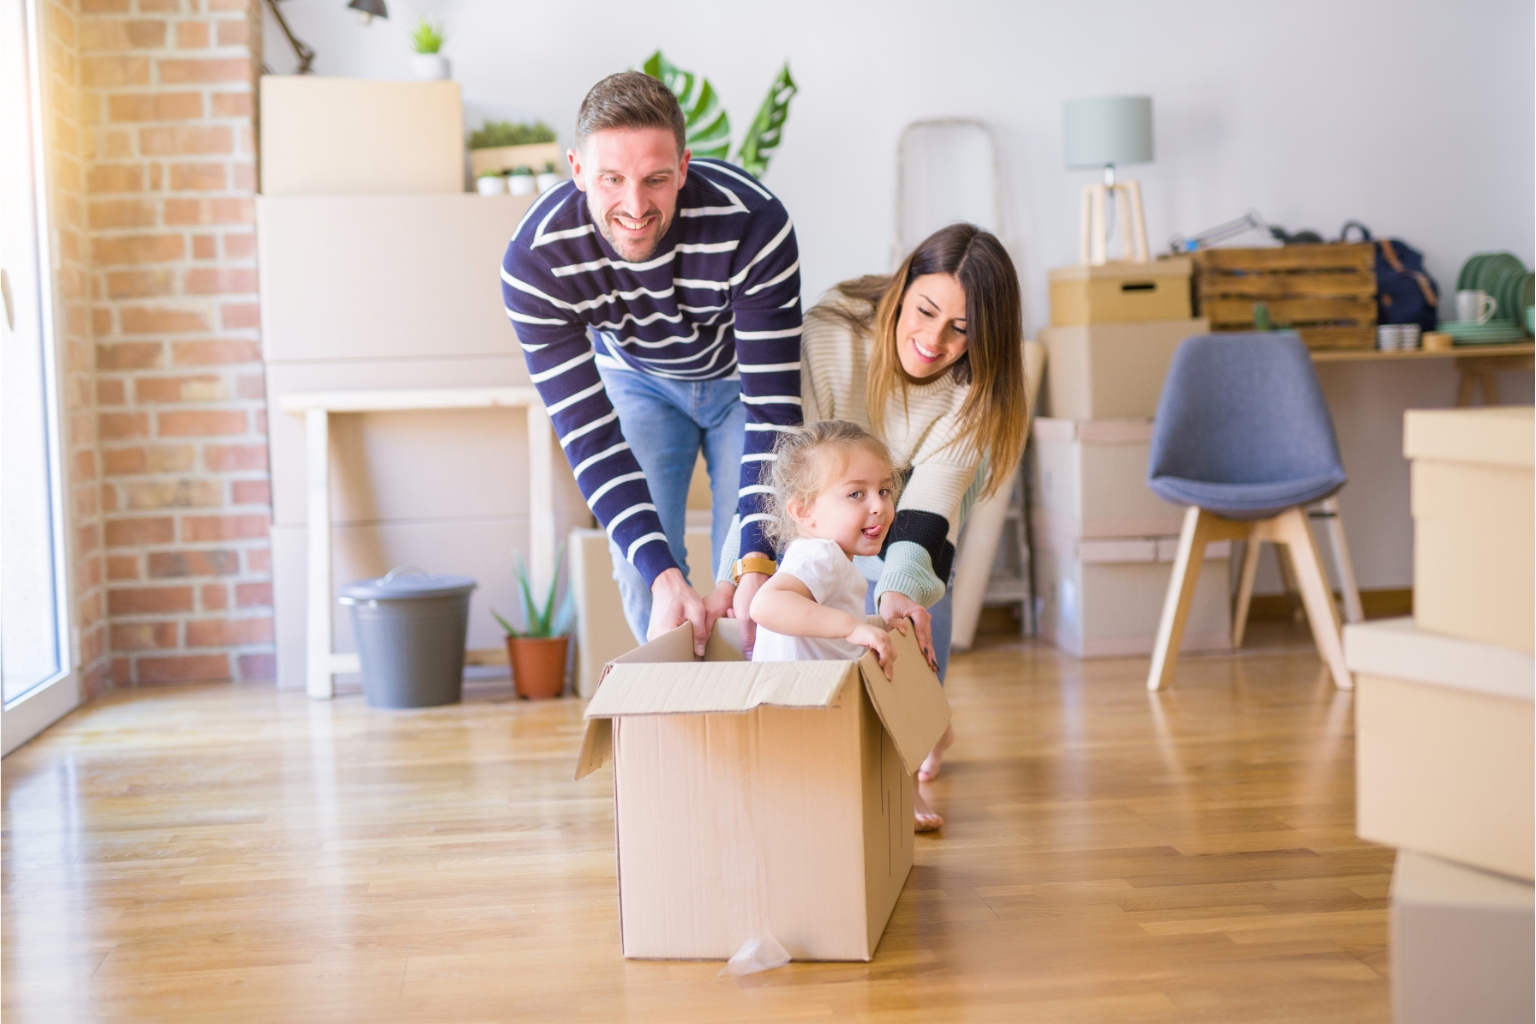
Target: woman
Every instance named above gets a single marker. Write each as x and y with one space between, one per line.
931 360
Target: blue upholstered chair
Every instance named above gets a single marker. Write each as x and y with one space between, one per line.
1244 438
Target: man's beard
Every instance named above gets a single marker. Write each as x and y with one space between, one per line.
631 250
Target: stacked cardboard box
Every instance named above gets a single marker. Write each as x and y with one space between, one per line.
1446 723
1104 543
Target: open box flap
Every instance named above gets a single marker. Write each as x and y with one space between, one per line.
714 687
911 706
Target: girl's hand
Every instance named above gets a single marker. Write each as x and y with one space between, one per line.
876 640
895 606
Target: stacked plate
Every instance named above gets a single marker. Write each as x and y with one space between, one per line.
1513 288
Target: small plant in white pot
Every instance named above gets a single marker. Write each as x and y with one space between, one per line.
428 65
491 183
520 181
549 177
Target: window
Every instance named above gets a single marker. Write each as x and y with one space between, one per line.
35 668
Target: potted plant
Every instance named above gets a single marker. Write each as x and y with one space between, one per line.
549 177
537 652
491 183
520 181
502 145
428 64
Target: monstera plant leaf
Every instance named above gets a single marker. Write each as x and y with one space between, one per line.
709 127
762 139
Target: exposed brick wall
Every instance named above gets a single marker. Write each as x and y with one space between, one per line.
167 109
59 25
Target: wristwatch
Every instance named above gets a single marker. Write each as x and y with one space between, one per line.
742 566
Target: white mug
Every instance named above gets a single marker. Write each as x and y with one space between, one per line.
1475 307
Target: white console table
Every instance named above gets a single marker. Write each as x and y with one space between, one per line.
317 407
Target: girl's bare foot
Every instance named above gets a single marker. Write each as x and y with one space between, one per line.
935 759
924 818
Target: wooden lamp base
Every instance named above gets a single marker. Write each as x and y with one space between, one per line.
1133 232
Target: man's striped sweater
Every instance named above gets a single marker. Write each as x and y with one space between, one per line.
720 296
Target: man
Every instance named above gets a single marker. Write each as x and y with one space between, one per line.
657 302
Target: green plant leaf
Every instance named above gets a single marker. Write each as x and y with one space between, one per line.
708 125
505 625
762 138
427 37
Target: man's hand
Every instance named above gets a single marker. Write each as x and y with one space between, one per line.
674 602
895 606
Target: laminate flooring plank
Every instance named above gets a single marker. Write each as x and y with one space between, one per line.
236 853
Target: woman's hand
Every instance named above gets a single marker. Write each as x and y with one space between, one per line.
877 640
895 606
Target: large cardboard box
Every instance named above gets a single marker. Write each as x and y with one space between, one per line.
1474 519
752 798
1461 944
1104 598
1116 293
1444 749
1111 371
345 136
1091 480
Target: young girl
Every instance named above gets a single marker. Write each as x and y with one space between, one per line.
834 498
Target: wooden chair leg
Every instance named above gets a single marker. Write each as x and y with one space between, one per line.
1181 593
1293 529
1349 589
1245 591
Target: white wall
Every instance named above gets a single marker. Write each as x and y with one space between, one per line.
1414 116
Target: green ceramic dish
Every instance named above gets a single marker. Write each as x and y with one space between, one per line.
1469 272
1494 332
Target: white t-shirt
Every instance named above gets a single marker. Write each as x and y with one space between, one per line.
833 581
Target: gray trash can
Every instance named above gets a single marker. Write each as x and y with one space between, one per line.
411 627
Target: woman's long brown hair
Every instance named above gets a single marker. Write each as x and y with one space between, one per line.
993 416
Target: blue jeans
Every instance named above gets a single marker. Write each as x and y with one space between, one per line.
943 613
666 423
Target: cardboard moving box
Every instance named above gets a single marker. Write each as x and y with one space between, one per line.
753 797
1111 371
1474 522
1119 292
1461 943
1104 598
1091 480
1445 745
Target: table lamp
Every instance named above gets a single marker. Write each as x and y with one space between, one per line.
1102 133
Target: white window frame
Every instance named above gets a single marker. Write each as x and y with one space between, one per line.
45 703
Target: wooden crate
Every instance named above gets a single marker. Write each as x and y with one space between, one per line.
1326 293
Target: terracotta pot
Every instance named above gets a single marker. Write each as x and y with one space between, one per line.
538 666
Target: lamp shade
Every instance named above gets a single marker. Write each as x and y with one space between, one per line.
1109 130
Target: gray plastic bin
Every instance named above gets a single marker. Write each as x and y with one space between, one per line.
411 627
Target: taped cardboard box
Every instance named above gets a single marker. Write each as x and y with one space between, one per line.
1474 522
1445 745
1111 371
760 798
1091 480
1103 598
1461 943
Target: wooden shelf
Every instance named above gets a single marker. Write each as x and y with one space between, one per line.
1365 355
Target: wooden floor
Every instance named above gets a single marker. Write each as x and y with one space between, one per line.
232 853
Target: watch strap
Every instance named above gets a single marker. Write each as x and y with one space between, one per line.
742 566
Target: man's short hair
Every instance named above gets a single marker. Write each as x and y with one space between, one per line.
627 101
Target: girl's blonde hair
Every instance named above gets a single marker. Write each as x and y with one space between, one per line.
800 468
994 412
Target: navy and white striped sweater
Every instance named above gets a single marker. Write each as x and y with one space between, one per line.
720 296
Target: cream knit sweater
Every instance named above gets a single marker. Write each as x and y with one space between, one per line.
941 477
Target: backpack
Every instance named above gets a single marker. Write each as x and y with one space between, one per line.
1405 293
